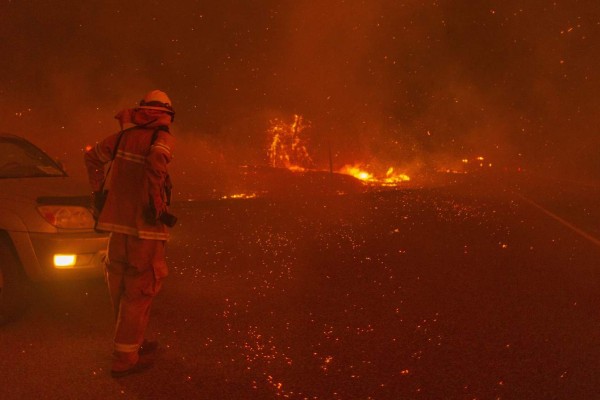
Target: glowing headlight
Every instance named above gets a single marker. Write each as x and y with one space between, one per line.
69 217
64 260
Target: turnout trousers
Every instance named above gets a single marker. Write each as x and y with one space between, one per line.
134 273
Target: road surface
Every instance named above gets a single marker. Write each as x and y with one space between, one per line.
477 290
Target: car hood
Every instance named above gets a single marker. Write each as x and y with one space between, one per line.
32 189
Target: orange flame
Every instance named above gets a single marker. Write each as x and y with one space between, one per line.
287 148
357 172
391 178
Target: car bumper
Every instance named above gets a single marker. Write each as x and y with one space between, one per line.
41 255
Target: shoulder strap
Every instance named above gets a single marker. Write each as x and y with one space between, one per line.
163 128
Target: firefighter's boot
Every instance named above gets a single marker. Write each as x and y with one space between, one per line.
127 363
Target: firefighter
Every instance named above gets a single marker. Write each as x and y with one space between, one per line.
134 192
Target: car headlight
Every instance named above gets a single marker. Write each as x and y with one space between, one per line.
68 217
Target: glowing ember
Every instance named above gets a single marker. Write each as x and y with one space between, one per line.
240 196
468 165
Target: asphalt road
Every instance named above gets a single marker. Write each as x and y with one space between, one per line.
465 291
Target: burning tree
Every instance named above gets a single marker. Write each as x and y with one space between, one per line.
287 148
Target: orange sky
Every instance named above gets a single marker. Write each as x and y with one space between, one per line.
518 79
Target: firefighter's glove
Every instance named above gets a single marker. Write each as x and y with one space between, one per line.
153 217
168 219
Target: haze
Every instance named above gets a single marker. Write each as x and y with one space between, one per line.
399 81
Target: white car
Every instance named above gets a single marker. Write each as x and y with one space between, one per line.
46 227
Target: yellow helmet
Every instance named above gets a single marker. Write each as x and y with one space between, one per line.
157 100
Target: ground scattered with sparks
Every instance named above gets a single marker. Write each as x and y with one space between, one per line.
454 292
399 293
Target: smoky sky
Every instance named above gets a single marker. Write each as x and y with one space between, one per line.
395 80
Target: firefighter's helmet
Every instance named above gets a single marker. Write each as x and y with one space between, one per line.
157 100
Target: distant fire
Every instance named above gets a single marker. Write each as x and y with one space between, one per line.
240 196
288 150
470 165
357 172
391 178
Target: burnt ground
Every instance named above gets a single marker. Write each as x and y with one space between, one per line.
459 291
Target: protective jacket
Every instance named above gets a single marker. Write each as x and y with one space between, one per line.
137 180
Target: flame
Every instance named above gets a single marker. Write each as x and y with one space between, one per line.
357 172
287 149
240 196
296 168
391 178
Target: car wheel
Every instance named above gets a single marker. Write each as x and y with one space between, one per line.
12 283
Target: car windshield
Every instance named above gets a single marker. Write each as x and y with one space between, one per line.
21 159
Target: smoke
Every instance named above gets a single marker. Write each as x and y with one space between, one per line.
409 83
